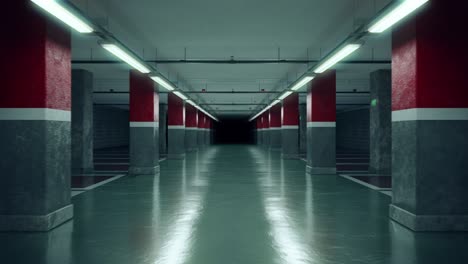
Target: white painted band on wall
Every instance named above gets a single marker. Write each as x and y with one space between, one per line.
289 127
434 114
176 127
192 128
144 124
35 114
275 128
321 124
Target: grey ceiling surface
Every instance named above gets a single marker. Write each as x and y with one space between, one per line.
221 30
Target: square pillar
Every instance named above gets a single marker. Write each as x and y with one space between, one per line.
380 140
430 120
201 129
176 127
302 128
275 127
144 125
321 124
290 127
35 121
163 129
82 122
191 128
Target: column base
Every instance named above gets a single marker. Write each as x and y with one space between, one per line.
428 222
289 156
36 223
143 170
176 156
320 170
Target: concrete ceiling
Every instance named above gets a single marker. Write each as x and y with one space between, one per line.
221 30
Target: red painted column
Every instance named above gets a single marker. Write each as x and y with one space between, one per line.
430 119
290 127
35 115
275 127
191 127
144 125
321 124
176 127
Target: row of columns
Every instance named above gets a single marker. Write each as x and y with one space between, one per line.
418 122
44 135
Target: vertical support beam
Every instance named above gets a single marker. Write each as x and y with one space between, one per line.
35 121
321 124
380 140
207 131
176 127
144 126
275 127
82 122
430 120
302 129
266 129
163 129
290 127
201 126
191 128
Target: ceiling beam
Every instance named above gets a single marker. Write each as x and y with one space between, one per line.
231 61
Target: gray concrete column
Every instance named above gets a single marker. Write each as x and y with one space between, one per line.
381 122
82 122
290 142
191 128
144 125
275 127
302 128
163 129
176 127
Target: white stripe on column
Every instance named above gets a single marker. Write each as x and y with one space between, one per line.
144 124
289 127
321 124
176 127
430 114
275 128
35 114
191 128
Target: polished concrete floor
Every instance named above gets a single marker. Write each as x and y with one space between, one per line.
232 204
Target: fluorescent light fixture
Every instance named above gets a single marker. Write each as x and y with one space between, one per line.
56 9
191 102
121 54
284 95
341 54
402 10
161 81
274 103
302 82
181 95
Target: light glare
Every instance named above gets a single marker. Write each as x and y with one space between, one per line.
60 12
180 95
121 54
302 82
162 82
286 94
401 11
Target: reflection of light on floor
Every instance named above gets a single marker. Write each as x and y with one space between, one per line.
177 248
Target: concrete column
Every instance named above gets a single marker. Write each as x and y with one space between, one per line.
266 129
82 122
302 128
380 140
176 127
275 127
321 124
191 128
201 127
430 120
163 129
144 126
290 127
35 121
207 130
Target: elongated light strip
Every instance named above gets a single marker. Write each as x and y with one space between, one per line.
274 103
162 82
284 95
121 54
338 56
302 82
180 95
62 13
401 11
